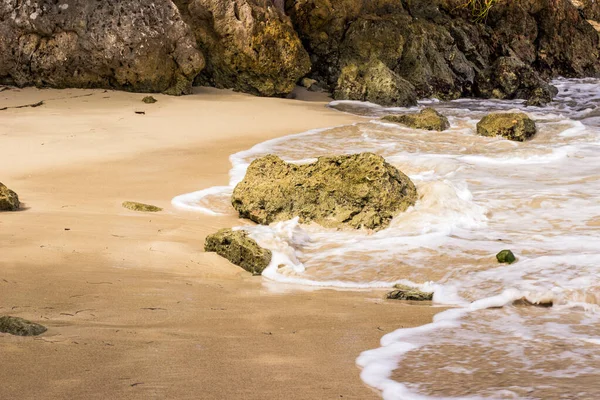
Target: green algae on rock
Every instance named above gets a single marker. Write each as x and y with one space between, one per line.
512 126
357 191
404 292
149 100
240 249
9 200
428 119
506 257
135 206
20 327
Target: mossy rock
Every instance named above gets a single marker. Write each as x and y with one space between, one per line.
404 292
357 191
239 249
506 257
20 327
135 206
428 119
512 126
149 100
9 200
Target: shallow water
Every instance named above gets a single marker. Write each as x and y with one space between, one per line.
478 196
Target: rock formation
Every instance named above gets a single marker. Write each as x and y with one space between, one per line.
9 201
240 249
251 45
130 45
512 126
358 191
428 119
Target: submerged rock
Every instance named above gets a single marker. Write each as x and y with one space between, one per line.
250 45
20 327
130 45
9 200
135 206
240 249
403 292
358 191
513 126
506 257
428 119
149 100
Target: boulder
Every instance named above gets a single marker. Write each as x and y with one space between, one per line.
513 126
506 257
404 292
20 327
129 45
135 206
428 119
240 249
251 45
9 200
357 191
376 83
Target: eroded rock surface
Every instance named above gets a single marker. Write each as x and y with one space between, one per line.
9 200
130 45
239 249
512 126
428 119
358 191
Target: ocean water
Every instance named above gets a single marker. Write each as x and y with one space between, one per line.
477 196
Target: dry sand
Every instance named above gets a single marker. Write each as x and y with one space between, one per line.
135 308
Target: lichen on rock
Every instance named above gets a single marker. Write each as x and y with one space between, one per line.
356 191
20 327
9 200
239 249
428 119
512 126
135 206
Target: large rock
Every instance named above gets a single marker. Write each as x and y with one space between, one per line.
9 201
240 249
358 191
428 119
20 327
251 45
513 126
131 45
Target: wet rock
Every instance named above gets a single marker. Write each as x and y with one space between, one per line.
512 126
20 327
506 257
376 83
428 119
9 200
403 292
251 45
149 100
357 191
132 205
239 249
130 45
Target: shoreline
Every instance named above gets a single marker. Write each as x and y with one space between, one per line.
134 307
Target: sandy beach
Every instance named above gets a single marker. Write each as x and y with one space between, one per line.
135 308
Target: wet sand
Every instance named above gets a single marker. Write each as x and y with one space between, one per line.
135 308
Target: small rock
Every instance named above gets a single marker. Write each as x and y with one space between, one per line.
135 206
307 82
20 327
403 292
512 126
9 201
428 119
506 257
240 249
149 100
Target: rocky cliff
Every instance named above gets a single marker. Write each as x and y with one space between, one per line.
387 51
